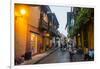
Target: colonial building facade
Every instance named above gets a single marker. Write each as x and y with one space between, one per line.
35 27
82 28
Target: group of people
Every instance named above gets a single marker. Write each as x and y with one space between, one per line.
63 47
89 56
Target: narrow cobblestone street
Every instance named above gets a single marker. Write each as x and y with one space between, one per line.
41 30
56 57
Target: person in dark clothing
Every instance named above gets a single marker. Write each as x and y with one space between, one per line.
71 55
19 60
91 54
56 44
61 47
79 51
86 57
65 46
71 52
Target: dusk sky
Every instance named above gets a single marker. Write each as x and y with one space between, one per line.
61 14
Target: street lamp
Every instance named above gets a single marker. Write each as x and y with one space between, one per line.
23 11
47 34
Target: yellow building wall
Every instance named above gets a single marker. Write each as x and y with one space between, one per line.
20 30
90 36
31 17
20 36
79 41
82 40
85 50
39 42
34 16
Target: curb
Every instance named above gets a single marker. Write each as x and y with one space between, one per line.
45 56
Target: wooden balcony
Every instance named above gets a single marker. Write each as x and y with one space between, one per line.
43 25
52 31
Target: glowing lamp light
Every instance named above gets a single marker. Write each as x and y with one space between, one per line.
23 11
47 35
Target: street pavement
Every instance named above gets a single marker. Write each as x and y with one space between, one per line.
56 57
53 56
38 57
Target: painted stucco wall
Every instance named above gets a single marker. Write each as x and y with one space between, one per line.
20 31
31 17
34 16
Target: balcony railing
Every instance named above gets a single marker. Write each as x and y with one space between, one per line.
52 31
43 25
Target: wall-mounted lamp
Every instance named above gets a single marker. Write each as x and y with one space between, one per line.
23 11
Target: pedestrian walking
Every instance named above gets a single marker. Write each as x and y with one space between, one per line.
61 47
71 52
65 46
91 54
80 51
57 44
53 44
86 56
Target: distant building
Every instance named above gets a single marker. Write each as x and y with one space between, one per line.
62 39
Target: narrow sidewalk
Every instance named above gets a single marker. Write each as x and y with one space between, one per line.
39 57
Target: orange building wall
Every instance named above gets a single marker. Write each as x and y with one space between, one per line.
31 17
20 35
91 36
34 16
